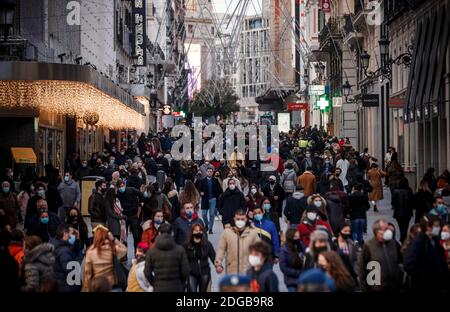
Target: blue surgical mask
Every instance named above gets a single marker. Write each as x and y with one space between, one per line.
266 206
440 207
258 217
146 194
66 179
71 239
6 190
122 189
318 203
158 221
44 220
40 193
189 213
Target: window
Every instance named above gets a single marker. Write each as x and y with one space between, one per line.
190 29
212 30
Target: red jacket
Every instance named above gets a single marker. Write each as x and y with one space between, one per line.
305 230
149 236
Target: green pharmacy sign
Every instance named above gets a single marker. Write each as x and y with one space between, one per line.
323 103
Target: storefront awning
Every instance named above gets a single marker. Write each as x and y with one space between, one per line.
23 155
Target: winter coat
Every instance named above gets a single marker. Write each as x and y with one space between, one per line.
70 193
343 197
268 229
203 188
395 174
182 226
387 256
82 172
10 207
44 231
175 205
335 212
294 209
63 255
134 181
359 204
235 246
350 259
423 203
374 176
112 218
166 265
402 202
308 181
149 233
271 193
96 207
130 200
266 279
101 264
9 273
16 251
198 256
426 266
38 266
290 271
229 202
289 180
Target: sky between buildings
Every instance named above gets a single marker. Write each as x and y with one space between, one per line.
220 6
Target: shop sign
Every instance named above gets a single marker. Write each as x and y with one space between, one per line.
316 89
139 46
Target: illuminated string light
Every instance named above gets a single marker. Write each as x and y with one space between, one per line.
70 98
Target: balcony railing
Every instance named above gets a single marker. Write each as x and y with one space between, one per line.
332 29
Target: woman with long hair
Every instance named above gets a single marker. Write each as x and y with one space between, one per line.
172 194
291 259
254 197
190 195
331 263
99 261
423 200
114 213
75 220
199 249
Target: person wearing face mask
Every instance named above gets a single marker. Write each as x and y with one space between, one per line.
310 222
347 250
64 242
291 259
183 224
335 178
425 259
45 223
402 203
382 249
308 181
276 195
440 209
319 242
70 195
121 158
199 250
358 206
234 245
263 279
231 176
75 220
289 180
445 242
295 207
83 171
308 161
150 228
254 197
342 163
210 190
96 204
135 180
230 201
9 206
266 229
137 282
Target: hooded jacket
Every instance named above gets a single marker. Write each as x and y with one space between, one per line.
182 226
295 207
38 266
63 255
166 265
229 202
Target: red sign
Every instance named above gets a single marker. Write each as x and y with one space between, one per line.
297 106
326 6
396 102
176 114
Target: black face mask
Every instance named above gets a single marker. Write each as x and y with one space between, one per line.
319 250
346 236
337 175
197 235
272 182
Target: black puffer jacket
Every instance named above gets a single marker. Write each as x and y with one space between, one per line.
97 208
166 265
38 266
198 255
335 212
402 203
229 203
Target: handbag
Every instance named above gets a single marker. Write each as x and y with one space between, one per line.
121 274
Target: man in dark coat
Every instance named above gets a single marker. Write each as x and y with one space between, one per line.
83 171
96 204
45 223
209 189
182 225
134 180
295 206
425 259
402 203
64 243
166 265
230 201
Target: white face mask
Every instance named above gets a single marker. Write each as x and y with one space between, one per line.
388 235
240 224
435 231
232 187
445 236
297 195
254 260
254 191
312 216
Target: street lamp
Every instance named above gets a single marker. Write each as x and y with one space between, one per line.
7 9
346 88
384 46
365 57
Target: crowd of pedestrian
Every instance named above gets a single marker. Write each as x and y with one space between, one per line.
308 216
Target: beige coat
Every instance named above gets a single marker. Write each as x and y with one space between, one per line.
374 176
308 181
101 265
235 248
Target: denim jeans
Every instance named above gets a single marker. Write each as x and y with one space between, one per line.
358 226
198 283
212 214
